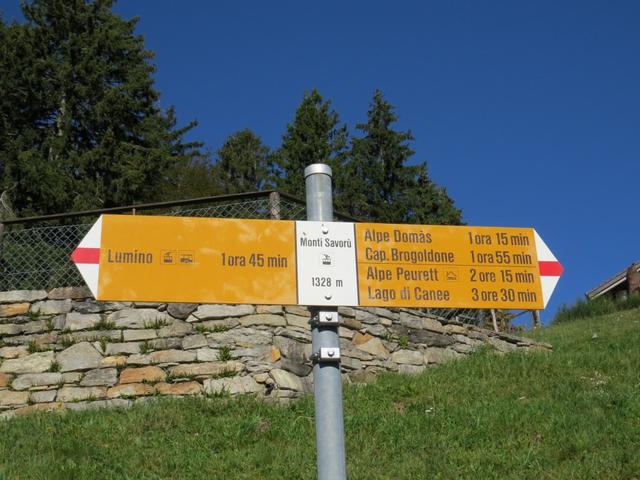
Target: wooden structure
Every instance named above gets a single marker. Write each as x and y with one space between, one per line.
620 285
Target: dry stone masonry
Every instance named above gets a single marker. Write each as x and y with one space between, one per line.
63 350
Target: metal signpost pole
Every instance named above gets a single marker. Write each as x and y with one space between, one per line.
327 380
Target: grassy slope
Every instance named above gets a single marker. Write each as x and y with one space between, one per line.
570 414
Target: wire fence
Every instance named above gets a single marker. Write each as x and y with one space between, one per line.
35 252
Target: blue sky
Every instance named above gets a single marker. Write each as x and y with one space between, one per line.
528 112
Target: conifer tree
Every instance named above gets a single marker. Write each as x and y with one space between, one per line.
243 163
378 184
314 136
81 126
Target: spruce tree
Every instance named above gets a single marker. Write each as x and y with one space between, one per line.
428 203
81 125
314 136
243 163
379 184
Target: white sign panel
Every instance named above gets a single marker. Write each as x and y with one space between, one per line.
326 260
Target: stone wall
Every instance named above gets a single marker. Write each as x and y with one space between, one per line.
62 349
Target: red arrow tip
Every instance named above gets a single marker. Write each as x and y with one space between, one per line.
550 269
85 255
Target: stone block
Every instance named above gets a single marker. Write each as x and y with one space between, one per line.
411 357
501 345
75 394
10 399
36 326
295 366
206 368
100 376
93 306
432 325
165 343
350 363
194 341
274 309
81 356
262 377
430 339
14 309
207 354
351 323
34 363
385 313
234 386
92 335
375 329
295 333
181 310
122 348
136 335
287 381
5 379
178 328
410 321
40 407
44 396
207 312
347 312
20 296
375 347
360 338
173 356
73 293
138 318
138 359
10 329
297 321
51 307
143 374
182 388
439 355
297 310
28 380
453 328
81 321
14 352
241 337
130 390
71 377
263 320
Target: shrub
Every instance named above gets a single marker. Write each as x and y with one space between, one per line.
599 306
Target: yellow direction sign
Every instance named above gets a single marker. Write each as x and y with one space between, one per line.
212 260
196 260
453 267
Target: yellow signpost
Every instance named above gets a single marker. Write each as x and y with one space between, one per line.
198 260
447 266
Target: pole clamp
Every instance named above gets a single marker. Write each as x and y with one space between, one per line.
326 319
326 355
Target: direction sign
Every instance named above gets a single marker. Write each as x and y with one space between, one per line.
454 266
196 260
205 260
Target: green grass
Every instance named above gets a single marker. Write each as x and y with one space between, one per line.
573 413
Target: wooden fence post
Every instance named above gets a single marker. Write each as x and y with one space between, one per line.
495 320
536 318
274 205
